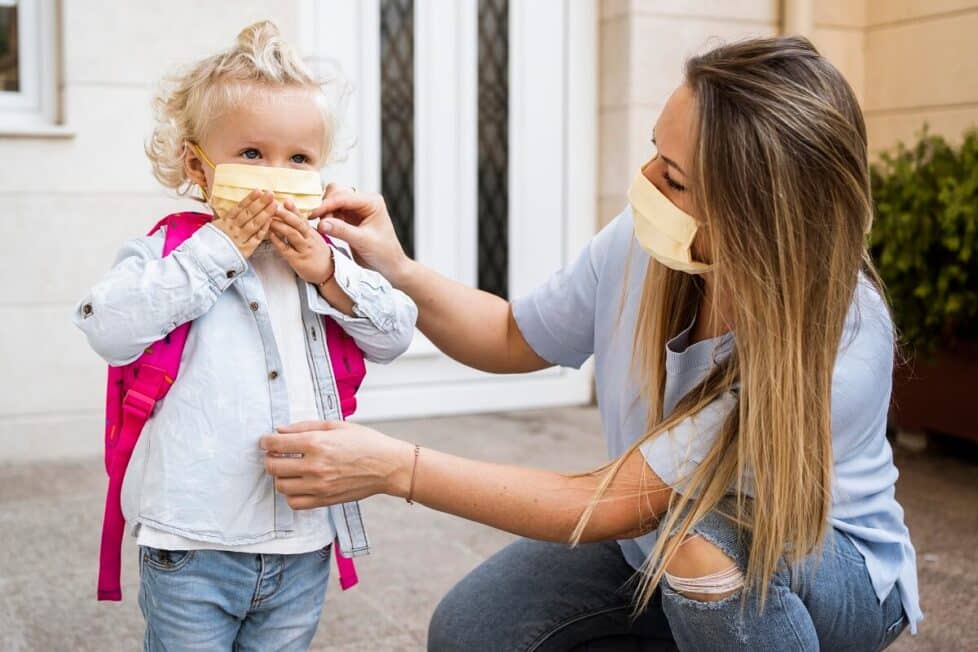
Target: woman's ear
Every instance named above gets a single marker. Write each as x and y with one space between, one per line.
193 167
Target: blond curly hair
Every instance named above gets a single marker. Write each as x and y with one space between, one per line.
189 100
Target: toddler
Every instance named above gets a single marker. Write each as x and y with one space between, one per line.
225 563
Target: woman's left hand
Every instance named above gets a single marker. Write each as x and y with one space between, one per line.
340 462
302 247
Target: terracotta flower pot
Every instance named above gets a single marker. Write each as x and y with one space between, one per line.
940 394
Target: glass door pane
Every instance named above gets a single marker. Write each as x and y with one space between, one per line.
397 115
493 199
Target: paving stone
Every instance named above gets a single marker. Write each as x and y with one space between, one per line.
50 513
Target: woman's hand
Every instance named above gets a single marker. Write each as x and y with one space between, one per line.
340 462
247 223
362 220
474 327
300 245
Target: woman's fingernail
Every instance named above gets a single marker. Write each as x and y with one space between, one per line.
327 226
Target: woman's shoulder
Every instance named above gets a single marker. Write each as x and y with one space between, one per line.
614 243
868 322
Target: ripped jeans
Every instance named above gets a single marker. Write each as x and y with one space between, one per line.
544 596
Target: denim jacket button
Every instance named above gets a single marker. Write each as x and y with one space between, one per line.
273 375
231 273
254 306
87 309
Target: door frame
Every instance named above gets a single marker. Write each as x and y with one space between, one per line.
553 72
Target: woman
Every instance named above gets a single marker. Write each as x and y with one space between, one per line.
743 355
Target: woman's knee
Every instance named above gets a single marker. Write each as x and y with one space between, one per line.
699 570
452 626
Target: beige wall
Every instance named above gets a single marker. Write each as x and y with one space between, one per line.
642 47
839 32
908 61
922 64
67 203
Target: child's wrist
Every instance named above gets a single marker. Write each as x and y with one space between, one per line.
330 271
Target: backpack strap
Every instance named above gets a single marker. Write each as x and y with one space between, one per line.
143 384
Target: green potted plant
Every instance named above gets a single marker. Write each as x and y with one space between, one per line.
925 244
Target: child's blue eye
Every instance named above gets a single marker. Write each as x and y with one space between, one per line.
300 159
251 153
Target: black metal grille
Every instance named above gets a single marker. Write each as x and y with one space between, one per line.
9 68
494 146
397 115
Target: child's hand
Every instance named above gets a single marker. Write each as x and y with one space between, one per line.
300 245
247 223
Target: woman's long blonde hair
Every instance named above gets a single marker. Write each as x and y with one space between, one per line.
781 180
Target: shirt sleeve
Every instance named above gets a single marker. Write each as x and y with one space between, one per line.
384 317
675 453
557 319
145 295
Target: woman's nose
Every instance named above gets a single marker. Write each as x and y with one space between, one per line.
654 173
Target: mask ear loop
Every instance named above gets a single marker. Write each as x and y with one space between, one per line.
203 157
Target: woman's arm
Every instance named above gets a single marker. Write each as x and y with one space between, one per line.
342 462
474 327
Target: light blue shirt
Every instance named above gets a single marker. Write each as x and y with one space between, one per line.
197 471
590 308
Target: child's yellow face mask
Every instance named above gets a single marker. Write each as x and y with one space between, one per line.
233 182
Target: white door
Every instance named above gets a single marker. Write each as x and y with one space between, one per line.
476 119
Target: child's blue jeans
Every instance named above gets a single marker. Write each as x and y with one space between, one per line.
212 600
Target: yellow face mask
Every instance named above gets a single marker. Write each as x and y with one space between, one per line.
233 182
664 231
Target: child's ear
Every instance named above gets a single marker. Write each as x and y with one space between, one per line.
193 167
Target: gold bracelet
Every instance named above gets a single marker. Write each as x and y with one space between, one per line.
414 472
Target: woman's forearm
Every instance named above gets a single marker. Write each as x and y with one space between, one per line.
474 327
329 462
533 503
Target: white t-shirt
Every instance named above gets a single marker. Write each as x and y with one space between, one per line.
282 296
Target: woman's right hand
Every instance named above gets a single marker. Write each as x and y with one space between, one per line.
247 223
362 221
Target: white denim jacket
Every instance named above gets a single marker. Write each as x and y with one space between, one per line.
197 470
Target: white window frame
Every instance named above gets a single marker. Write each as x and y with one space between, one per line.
34 110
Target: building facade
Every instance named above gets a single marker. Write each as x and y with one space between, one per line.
503 134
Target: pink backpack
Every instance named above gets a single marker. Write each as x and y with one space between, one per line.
134 389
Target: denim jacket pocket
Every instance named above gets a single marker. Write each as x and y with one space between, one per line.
168 561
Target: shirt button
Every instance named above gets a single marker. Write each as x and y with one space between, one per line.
273 375
231 273
254 306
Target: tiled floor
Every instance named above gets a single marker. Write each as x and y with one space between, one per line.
49 517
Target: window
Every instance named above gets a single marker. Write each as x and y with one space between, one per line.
28 74
9 66
397 115
493 201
